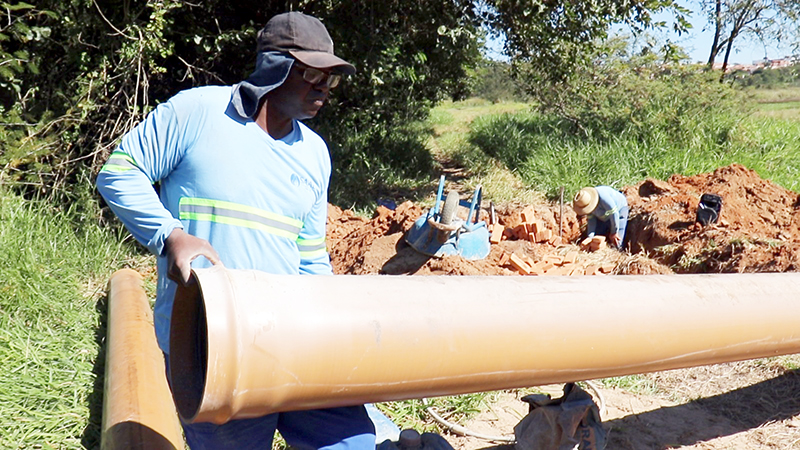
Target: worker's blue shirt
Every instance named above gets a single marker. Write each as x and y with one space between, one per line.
612 210
260 202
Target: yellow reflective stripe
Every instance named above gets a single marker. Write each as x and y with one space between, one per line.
314 254
610 212
310 248
119 162
115 168
236 214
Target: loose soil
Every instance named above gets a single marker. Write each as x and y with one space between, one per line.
743 405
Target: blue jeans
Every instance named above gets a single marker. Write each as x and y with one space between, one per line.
604 228
345 428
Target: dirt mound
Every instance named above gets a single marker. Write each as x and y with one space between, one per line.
758 231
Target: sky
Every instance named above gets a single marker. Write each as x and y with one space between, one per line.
697 42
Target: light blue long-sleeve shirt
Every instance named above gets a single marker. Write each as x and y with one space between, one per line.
612 207
260 202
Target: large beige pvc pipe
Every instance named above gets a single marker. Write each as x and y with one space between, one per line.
138 412
245 343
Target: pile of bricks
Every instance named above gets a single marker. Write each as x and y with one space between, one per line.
535 231
530 229
555 265
593 244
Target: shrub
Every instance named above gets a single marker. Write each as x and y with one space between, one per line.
643 96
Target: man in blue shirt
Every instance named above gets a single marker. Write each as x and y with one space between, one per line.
607 209
244 183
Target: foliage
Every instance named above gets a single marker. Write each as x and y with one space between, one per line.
495 82
20 33
642 94
627 117
549 40
545 156
110 62
765 20
767 78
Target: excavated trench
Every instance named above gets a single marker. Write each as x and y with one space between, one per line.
758 231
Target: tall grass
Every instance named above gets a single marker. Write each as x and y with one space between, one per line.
451 123
53 266
545 158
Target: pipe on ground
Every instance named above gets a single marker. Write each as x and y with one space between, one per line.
138 411
245 343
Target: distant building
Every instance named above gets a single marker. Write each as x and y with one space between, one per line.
760 64
783 62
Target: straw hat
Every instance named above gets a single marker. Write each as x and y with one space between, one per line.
585 201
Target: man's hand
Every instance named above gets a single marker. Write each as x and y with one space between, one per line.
181 249
613 238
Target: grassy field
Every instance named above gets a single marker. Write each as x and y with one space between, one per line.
53 267
54 264
541 161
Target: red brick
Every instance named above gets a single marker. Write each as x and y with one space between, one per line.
519 264
554 259
503 259
544 236
521 231
608 267
528 214
571 256
497 233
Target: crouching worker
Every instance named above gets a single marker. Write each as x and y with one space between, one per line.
607 209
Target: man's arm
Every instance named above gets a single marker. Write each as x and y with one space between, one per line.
314 258
146 155
181 249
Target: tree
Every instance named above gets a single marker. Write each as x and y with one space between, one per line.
109 62
556 37
87 71
766 20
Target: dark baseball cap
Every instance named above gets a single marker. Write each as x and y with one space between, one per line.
305 38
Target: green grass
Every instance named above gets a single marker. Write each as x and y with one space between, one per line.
637 384
53 266
775 95
451 124
544 159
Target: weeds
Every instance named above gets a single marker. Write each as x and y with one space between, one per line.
49 322
637 384
544 158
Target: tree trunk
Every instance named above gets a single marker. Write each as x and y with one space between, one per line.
717 31
727 55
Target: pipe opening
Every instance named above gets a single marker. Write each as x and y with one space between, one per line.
188 350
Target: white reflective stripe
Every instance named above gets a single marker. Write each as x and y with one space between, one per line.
119 162
239 215
311 247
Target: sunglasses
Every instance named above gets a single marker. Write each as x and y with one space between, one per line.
316 76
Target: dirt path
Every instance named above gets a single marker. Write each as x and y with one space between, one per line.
741 406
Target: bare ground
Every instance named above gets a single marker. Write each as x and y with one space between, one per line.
743 405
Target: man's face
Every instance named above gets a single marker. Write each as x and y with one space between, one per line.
297 98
